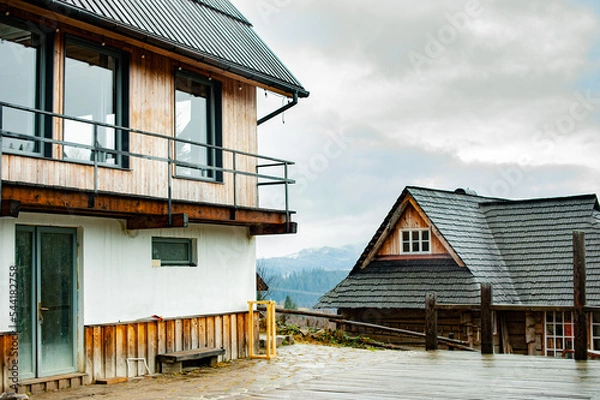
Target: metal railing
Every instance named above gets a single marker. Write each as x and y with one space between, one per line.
44 121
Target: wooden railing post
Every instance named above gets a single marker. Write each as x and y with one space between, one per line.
579 297
487 335
431 339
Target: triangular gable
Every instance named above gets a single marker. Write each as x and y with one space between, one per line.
388 230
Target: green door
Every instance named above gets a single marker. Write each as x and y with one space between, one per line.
48 301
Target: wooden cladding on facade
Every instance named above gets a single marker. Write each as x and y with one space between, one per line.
410 219
107 348
151 108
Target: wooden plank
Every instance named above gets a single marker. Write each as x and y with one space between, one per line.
218 335
202 337
10 208
157 221
4 374
487 334
89 351
226 337
194 344
171 341
97 353
142 346
51 200
233 337
242 335
188 355
121 349
431 328
161 336
112 381
210 332
110 354
187 333
178 335
152 345
132 342
580 318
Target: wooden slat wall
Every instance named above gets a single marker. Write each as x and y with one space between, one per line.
410 219
152 109
108 346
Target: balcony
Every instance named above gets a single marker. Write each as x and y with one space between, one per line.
141 182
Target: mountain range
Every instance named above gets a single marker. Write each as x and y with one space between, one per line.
307 275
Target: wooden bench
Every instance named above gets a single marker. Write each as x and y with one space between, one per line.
175 361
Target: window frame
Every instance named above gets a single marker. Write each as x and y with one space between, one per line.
44 88
214 128
191 253
411 241
122 98
556 351
595 323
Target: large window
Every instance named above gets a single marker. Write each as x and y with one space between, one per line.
173 252
23 54
559 333
198 126
415 241
96 89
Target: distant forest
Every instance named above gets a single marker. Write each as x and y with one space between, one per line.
303 287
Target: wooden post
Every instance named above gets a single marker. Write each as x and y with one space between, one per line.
579 298
487 335
431 339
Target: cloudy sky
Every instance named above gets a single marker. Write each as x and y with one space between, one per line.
502 97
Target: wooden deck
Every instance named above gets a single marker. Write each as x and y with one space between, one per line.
319 372
452 375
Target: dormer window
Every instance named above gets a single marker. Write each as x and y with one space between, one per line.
416 241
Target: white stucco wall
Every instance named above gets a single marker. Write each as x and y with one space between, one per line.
118 282
7 258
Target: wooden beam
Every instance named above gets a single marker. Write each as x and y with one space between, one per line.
579 297
487 334
51 200
157 222
273 229
10 208
459 344
431 339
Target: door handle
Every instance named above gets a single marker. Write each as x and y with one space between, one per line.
40 309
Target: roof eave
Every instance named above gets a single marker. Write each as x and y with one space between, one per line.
236 69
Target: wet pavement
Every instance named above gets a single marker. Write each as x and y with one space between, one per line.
236 379
305 371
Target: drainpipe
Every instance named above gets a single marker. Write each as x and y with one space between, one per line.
279 110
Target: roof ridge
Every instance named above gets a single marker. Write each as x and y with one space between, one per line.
509 202
454 192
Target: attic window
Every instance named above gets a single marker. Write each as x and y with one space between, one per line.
415 241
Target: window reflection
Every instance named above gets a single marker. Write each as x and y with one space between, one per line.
19 52
90 94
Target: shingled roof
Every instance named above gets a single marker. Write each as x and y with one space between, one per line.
211 31
522 247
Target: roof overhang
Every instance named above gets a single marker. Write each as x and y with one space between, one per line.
75 13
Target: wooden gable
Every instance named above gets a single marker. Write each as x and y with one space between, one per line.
410 219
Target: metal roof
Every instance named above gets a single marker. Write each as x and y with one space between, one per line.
212 31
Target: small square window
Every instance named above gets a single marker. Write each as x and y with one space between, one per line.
416 241
173 252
